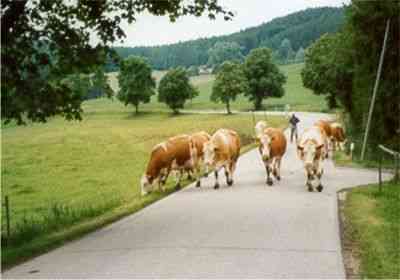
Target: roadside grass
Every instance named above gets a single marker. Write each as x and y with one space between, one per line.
298 97
372 226
66 178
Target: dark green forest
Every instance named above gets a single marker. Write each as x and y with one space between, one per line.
285 36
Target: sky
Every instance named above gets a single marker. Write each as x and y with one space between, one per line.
150 30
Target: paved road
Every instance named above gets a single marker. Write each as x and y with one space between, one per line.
245 231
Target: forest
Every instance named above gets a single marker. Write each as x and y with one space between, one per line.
287 36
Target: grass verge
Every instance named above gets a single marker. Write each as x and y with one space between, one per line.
371 231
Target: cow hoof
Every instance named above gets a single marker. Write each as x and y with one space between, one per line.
320 188
309 187
269 182
278 178
178 187
198 184
216 186
229 182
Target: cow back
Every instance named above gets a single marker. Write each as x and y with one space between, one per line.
325 126
227 143
278 141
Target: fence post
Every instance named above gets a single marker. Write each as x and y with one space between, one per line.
7 206
380 170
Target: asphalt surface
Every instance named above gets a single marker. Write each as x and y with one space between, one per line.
249 230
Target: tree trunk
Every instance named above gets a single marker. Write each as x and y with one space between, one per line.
228 108
137 108
258 103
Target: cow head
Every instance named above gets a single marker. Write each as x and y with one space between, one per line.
265 147
309 152
209 150
145 184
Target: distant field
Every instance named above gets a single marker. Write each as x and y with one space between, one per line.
61 173
298 97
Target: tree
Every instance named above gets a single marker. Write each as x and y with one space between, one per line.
342 68
100 86
44 41
223 51
299 55
135 82
286 51
264 77
175 88
325 66
229 83
79 84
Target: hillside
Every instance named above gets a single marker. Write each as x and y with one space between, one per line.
300 28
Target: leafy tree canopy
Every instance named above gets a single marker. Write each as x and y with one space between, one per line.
264 77
44 41
135 82
344 67
229 83
223 51
175 88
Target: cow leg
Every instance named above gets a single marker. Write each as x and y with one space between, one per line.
229 174
319 175
278 169
189 175
216 185
268 169
310 177
178 178
198 176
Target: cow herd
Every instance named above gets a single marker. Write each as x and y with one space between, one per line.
191 154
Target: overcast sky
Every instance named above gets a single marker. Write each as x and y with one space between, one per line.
150 30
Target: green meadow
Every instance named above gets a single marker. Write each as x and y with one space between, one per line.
298 97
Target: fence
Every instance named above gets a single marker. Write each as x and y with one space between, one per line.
396 156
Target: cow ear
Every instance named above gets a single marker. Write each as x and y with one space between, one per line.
320 146
300 148
216 149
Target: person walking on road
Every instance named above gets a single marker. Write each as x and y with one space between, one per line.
293 127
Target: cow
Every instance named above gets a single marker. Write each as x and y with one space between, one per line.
222 150
272 147
326 127
198 140
259 128
310 148
338 136
175 154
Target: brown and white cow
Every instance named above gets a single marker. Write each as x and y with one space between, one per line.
272 147
222 150
326 127
175 154
310 148
338 136
198 140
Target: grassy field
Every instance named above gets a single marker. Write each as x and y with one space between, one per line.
298 97
66 178
372 227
